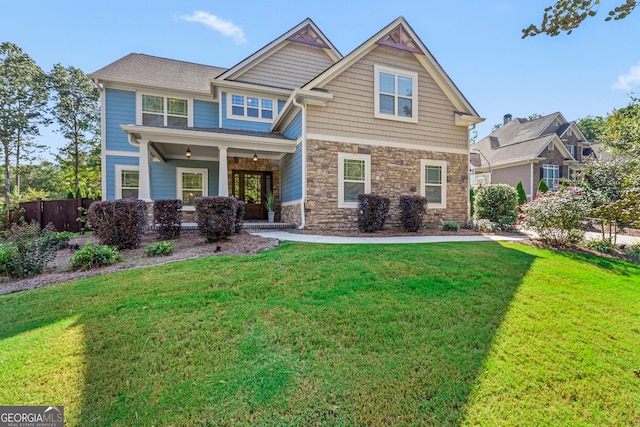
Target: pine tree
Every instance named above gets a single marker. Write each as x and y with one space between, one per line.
542 187
522 195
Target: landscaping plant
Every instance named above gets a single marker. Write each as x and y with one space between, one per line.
93 256
158 249
542 187
372 212
412 211
120 223
497 203
601 245
557 217
450 225
167 214
522 195
239 216
216 217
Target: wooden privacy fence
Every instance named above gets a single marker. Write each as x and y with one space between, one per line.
61 213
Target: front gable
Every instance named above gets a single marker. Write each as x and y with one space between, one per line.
289 61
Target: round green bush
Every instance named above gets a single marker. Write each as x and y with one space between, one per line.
497 203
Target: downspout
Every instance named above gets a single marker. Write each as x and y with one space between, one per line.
304 160
531 183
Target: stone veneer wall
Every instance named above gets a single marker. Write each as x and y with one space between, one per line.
395 172
292 214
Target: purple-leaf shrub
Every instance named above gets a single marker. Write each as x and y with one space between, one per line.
167 214
119 223
412 211
216 217
372 212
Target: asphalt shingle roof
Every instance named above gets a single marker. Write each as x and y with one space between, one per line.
152 70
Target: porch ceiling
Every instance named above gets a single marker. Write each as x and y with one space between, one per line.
173 141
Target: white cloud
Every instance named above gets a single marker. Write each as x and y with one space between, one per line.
627 81
226 28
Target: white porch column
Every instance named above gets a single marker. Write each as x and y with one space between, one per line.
144 185
223 174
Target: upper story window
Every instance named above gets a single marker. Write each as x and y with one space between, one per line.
250 108
164 111
572 150
396 94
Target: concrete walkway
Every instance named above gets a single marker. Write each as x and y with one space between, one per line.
313 238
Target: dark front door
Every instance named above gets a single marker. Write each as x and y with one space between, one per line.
252 187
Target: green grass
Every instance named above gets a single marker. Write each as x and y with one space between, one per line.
437 334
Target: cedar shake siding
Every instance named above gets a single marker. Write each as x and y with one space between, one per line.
351 112
290 67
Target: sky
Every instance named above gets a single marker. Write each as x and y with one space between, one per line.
478 43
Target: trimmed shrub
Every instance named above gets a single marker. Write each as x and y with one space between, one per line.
497 203
216 217
239 216
167 214
118 223
542 187
472 201
93 256
372 212
522 195
450 225
412 211
158 249
557 217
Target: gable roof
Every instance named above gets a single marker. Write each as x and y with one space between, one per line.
306 32
160 72
521 140
399 34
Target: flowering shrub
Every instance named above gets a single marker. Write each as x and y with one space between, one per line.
497 203
557 217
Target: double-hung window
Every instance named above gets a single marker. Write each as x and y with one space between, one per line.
396 94
354 178
433 178
127 181
251 107
191 183
164 111
551 175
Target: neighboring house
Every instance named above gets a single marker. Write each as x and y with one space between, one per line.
548 148
295 118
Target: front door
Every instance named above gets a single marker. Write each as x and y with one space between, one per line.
252 187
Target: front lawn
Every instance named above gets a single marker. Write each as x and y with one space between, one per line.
434 334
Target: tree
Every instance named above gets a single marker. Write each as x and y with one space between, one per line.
76 110
542 187
566 15
591 127
522 195
621 129
23 97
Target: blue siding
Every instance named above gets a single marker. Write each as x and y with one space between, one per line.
244 124
163 177
120 110
206 114
291 175
112 161
294 130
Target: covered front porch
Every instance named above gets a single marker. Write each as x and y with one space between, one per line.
185 163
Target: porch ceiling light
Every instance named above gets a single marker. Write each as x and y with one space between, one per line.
255 157
188 153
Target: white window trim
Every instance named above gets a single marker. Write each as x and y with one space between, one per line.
443 165
165 95
231 116
377 69
572 150
554 168
367 177
118 177
205 183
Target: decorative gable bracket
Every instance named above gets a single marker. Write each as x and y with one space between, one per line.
307 35
400 38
